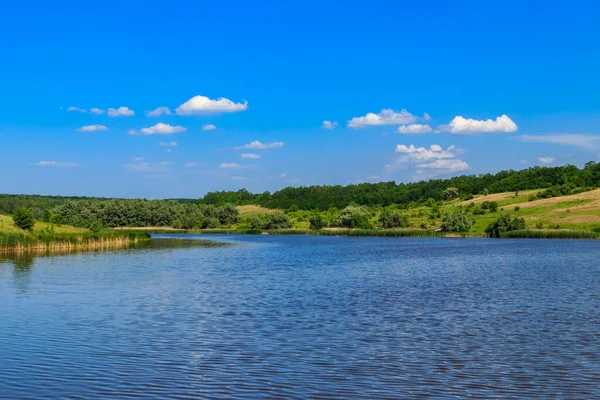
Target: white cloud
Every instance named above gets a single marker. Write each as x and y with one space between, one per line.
92 128
81 110
414 129
426 162
588 142
55 164
138 158
426 117
546 160
385 117
190 164
169 144
452 165
250 156
209 127
204 105
460 125
256 145
160 129
283 175
120 112
157 112
228 165
97 111
329 125
412 153
148 166
169 150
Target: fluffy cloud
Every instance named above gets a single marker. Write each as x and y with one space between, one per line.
414 129
120 112
426 162
412 153
92 128
250 156
169 144
453 165
160 129
81 110
469 126
546 160
228 165
157 112
329 125
385 117
97 111
204 105
55 164
209 127
256 145
588 142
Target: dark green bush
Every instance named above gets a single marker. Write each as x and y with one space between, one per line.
23 218
504 223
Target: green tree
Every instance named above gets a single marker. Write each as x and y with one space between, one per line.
317 222
23 218
493 206
505 223
456 221
96 226
451 193
392 219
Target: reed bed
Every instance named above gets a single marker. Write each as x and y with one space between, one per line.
23 242
547 234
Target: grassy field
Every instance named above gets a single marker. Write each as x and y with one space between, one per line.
578 212
7 226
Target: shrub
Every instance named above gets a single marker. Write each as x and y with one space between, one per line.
456 222
353 216
539 225
493 206
228 214
271 221
423 225
57 219
517 208
392 219
532 198
478 211
210 223
293 208
96 226
505 223
485 205
317 222
23 218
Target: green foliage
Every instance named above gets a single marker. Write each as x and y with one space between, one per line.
478 211
317 222
451 193
228 214
353 216
23 218
505 223
392 219
532 198
456 221
517 208
96 226
493 206
271 221
293 208
527 234
539 225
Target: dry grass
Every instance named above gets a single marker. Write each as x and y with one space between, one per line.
593 195
498 197
249 210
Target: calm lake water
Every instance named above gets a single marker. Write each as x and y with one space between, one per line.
305 317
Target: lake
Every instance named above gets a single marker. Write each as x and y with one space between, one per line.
304 317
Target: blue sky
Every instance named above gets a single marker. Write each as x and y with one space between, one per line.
484 86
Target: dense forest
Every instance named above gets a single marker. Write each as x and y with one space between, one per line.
561 179
217 209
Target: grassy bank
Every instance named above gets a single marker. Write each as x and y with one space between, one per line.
337 232
546 234
19 242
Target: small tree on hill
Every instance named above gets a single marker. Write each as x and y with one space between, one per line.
23 218
451 193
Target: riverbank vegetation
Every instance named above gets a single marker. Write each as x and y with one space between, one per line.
53 241
540 199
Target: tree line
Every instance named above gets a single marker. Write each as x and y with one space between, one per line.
558 180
